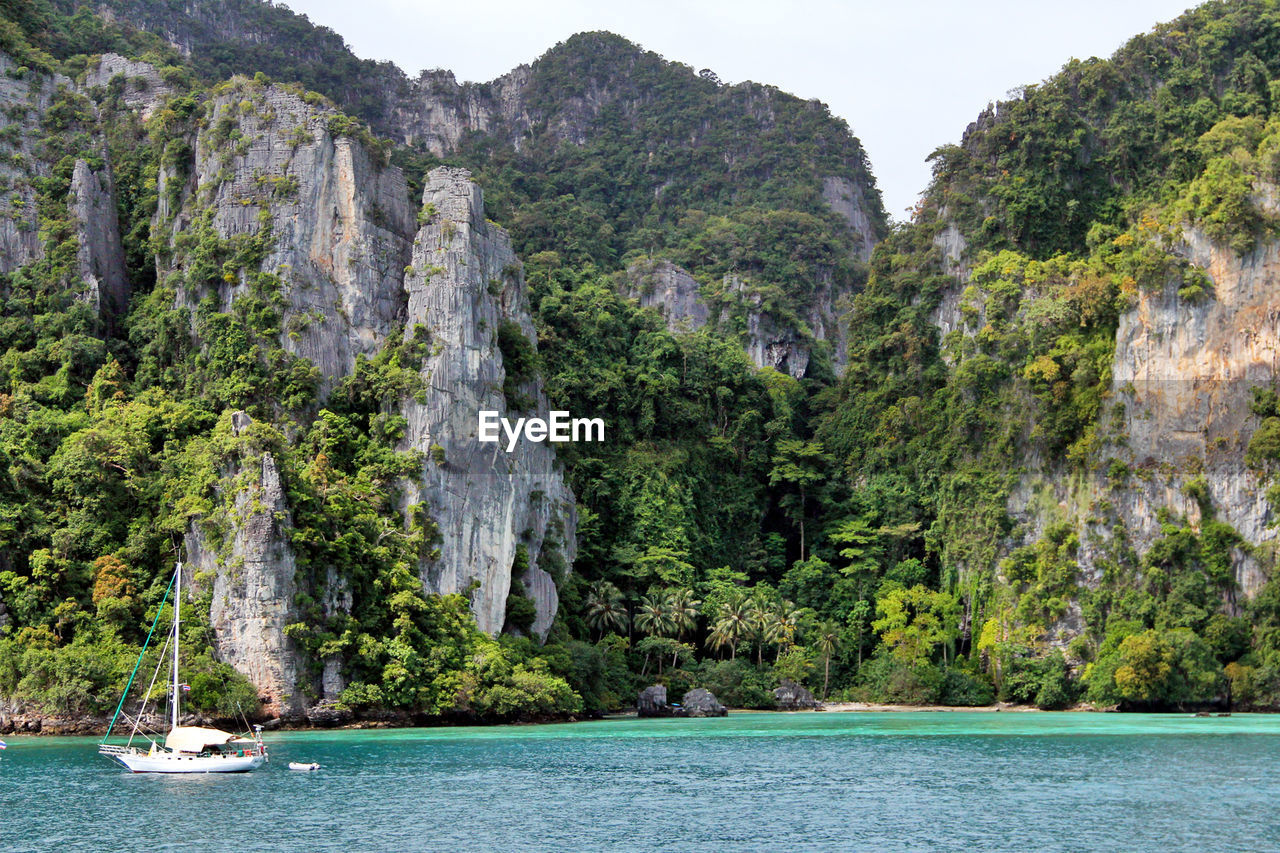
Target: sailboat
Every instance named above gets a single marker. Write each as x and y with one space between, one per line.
186 749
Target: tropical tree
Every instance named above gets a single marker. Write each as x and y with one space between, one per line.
763 623
683 608
858 620
605 609
861 550
785 620
655 619
733 624
802 465
659 647
827 640
914 621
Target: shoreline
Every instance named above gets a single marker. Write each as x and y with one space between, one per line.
53 726
864 707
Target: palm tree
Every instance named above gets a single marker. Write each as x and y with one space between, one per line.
683 608
606 609
654 618
763 624
718 638
786 622
827 641
733 624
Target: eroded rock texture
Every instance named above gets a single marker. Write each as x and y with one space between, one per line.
141 87
341 224
100 255
251 570
1183 373
358 266
464 285
27 96
739 311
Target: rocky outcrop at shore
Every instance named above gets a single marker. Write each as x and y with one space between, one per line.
701 702
698 702
652 702
790 696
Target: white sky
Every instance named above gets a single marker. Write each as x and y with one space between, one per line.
908 75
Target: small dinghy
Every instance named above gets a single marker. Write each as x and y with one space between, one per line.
299 765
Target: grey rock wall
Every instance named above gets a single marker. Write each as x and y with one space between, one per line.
674 293
846 199
1185 373
671 291
1182 380
439 111
341 224
355 272
100 255
142 88
464 283
253 583
23 99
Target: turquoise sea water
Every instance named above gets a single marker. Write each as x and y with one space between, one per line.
828 781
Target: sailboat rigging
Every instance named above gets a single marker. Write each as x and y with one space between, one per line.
186 749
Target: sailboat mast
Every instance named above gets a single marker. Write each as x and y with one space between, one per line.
177 615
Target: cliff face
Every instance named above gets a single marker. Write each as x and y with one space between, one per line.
100 255
25 99
848 201
739 312
141 86
336 232
251 573
1184 372
340 225
28 96
593 89
1178 414
671 291
439 111
464 284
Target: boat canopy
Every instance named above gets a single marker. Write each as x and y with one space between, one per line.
196 738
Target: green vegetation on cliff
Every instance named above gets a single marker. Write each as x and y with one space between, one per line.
740 526
1054 215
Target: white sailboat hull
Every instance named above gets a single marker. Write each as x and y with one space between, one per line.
143 762
187 749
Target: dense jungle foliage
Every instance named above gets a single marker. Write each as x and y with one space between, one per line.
740 526
1070 200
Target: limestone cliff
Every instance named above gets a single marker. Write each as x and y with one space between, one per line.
1184 372
141 86
464 284
1178 413
25 99
250 571
100 255
737 310
671 291
340 224
27 96
333 226
440 111
848 201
